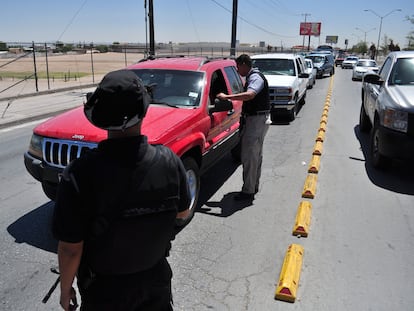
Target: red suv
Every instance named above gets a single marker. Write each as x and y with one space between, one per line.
185 116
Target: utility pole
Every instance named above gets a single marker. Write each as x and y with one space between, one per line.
35 69
146 28
233 30
151 26
303 43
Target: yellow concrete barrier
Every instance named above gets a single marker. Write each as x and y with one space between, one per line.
309 188
303 217
317 148
320 136
287 286
314 164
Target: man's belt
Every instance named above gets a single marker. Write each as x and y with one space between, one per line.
256 113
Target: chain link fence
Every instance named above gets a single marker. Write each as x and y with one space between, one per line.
45 66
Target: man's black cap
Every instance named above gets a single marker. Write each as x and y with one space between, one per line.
119 102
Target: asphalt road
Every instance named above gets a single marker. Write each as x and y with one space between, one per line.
357 255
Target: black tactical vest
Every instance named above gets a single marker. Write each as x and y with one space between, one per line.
261 102
132 209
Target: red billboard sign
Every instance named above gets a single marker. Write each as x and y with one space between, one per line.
310 29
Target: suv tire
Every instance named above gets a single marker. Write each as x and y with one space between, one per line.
193 179
378 160
50 190
364 123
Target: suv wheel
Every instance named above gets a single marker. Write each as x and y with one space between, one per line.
364 123
292 112
303 99
193 179
50 190
377 159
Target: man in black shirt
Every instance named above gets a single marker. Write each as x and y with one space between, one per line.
116 208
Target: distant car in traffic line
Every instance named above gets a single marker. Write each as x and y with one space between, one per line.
362 67
311 70
339 59
324 63
349 62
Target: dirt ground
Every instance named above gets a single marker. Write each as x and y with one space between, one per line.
73 63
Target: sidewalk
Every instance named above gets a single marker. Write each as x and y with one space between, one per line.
15 104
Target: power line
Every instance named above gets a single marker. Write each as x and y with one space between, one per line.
72 19
192 21
252 24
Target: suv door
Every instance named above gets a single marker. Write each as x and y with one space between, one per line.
222 121
303 82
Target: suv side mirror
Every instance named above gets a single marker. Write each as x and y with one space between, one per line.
373 78
221 105
88 95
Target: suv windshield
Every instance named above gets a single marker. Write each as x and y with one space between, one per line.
284 67
366 63
173 87
316 58
403 72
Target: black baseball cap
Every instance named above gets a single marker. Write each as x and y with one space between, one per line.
120 101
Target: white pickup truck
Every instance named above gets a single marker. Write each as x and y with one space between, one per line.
287 78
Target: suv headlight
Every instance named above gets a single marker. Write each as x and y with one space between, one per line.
35 146
396 120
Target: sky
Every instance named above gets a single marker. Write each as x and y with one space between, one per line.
276 22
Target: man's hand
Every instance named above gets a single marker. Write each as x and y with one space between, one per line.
221 96
68 300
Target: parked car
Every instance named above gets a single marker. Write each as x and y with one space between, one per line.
184 116
387 109
349 62
324 63
362 67
287 80
311 70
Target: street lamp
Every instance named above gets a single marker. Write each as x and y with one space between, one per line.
365 33
381 18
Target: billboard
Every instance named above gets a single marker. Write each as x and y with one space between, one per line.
310 29
331 39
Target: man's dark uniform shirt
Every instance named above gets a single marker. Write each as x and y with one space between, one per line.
122 200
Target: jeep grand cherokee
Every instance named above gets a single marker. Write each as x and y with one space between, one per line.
185 116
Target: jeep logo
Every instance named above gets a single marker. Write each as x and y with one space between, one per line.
78 137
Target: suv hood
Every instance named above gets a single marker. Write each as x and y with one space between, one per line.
403 96
73 125
276 80
318 65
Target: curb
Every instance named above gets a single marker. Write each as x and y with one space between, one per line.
49 91
44 115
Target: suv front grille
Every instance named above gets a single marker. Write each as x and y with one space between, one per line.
60 153
279 95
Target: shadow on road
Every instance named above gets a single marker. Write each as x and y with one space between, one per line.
34 228
211 182
397 178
